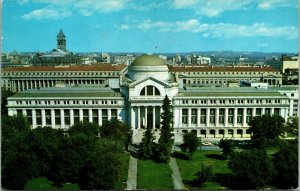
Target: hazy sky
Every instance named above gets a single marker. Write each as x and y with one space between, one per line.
151 26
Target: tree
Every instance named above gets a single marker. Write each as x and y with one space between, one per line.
227 146
90 129
252 168
116 130
286 165
265 129
165 142
100 172
292 125
5 93
202 176
190 142
147 145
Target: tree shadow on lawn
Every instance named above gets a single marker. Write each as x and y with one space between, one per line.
215 156
227 180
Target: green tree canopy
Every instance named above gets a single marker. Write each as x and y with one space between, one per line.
286 165
190 142
165 142
227 146
253 169
5 93
292 125
265 129
90 129
147 145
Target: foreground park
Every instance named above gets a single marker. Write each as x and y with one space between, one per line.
88 156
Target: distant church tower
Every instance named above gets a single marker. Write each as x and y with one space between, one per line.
61 41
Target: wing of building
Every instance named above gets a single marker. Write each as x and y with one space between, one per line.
61 96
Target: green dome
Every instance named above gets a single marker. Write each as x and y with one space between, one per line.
148 60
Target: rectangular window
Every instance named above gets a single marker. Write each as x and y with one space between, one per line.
29 116
230 116
268 111
249 115
38 115
184 116
76 115
104 115
113 114
203 116
221 116
276 111
212 116
57 116
67 117
85 115
240 116
95 116
194 116
258 111
48 116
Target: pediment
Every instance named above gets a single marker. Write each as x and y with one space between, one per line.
133 84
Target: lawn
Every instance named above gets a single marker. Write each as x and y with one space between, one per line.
210 158
43 183
124 159
153 175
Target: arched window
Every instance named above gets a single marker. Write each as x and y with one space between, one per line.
150 91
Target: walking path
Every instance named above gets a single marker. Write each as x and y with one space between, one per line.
132 174
177 181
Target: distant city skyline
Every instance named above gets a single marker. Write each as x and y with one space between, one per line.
146 26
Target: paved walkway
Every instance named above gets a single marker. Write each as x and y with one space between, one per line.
177 181
132 174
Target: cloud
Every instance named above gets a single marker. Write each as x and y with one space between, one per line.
125 27
85 12
51 14
213 8
219 30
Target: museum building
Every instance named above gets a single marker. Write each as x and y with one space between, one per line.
135 95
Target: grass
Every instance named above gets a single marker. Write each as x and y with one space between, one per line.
43 183
124 159
210 158
153 175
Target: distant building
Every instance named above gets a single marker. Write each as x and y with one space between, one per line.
61 41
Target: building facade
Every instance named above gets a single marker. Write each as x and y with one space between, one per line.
135 95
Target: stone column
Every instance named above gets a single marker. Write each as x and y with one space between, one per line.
19 88
91 116
31 86
23 85
119 114
198 117
189 117
52 118
139 117
263 111
180 117
43 118
272 111
24 112
109 114
33 118
226 118
153 117
100 117
80 115
146 112
244 117
35 84
71 117
217 117
132 122
207 116
62 118
253 112
235 117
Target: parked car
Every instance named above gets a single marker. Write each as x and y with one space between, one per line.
206 144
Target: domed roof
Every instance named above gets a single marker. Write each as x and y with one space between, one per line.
148 60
